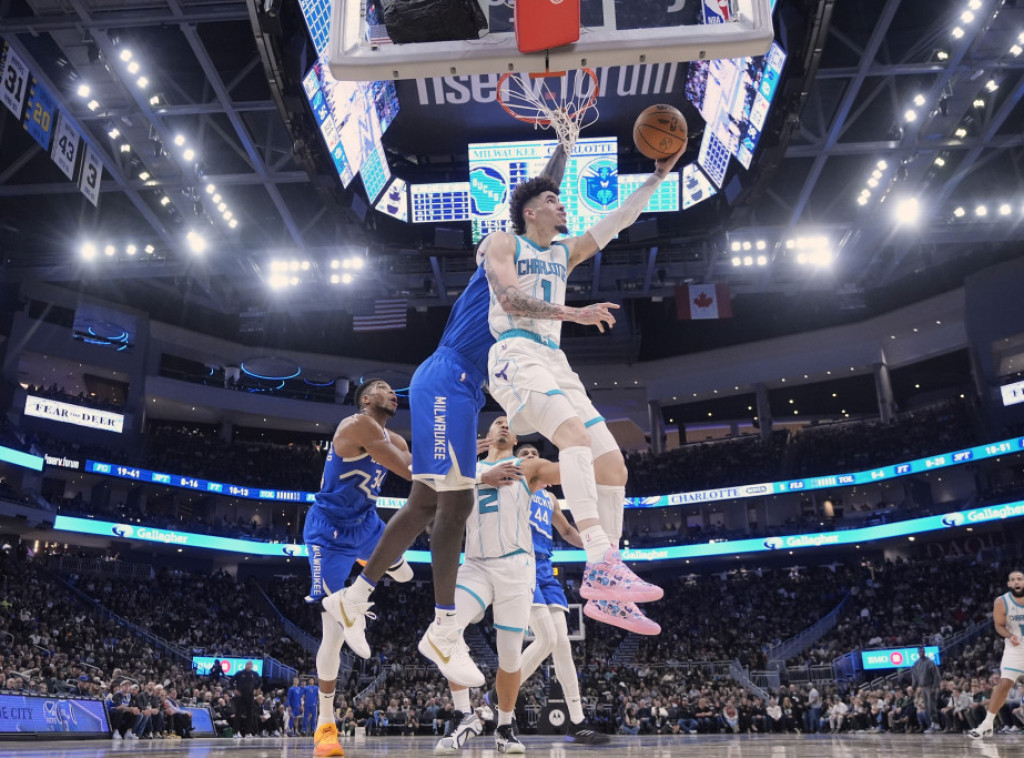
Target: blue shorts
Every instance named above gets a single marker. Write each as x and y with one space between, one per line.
549 590
445 399
333 549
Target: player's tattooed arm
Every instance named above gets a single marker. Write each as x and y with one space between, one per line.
499 264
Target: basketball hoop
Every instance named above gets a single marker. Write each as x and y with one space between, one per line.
565 100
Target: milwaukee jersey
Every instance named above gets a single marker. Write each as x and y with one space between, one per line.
541 274
467 332
350 486
542 509
1014 618
500 522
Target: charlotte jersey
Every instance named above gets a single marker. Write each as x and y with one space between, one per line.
350 486
542 274
500 522
467 332
1014 619
542 509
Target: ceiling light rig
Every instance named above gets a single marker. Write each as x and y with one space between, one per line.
120 251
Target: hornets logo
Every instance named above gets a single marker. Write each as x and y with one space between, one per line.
488 191
599 185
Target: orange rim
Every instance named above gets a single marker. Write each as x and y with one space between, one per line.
539 120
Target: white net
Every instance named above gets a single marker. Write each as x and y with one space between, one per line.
566 101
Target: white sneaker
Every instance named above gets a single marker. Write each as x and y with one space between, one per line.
507 740
352 618
980 732
460 731
130 735
116 736
237 736
401 571
450 653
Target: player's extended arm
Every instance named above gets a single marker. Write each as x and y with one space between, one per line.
567 530
499 251
598 236
555 169
388 449
540 473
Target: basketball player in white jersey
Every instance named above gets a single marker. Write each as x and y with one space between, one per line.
529 376
498 572
1008 618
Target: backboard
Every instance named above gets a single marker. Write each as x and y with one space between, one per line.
613 33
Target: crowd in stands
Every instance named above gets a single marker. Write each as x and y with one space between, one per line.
59 393
52 641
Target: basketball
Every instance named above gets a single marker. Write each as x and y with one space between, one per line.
659 131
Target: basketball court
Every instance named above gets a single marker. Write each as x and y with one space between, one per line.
711 746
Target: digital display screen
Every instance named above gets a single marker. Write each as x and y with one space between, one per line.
733 96
375 173
447 201
395 201
664 200
202 664
18 458
33 713
352 117
589 186
696 186
202 721
897 657
318 20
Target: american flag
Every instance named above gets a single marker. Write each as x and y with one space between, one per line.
378 315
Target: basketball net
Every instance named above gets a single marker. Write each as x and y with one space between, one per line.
563 100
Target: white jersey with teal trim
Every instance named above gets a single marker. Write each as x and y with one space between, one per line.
541 275
500 522
1014 618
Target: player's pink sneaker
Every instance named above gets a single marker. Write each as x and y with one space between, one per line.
611 579
623 615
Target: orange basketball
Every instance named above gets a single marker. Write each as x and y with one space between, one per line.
660 131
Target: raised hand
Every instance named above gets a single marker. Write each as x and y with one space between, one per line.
596 314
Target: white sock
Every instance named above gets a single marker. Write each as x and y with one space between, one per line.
576 465
460 701
596 543
505 717
989 719
326 715
445 615
610 501
359 591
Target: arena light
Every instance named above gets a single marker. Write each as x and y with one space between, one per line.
882 165
83 90
114 133
126 55
133 67
863 199
144 176
959 212
165 201
131 249
981 211
910 116
1005 209
919 100
88 251
974 4
189 154
179 139
907 211
748 260
233 223
761 245
125 147
1016 50
217 198
991 85
737 261
149 249
196 242
93 105
762 260
957 32
967 17
109 251
939 161
142 82
978 103
335 263
347 278
736 246
210 189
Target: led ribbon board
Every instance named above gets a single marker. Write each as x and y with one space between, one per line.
27 714
674 552
896 657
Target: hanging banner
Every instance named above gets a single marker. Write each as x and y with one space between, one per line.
92 172
14 75
65 146
40 112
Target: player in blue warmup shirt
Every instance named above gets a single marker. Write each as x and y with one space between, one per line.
294 698
446 396
342 526
310 695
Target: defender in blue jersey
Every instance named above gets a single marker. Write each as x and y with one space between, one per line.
446 396
547 617
342 526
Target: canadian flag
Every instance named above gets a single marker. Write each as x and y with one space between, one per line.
697 301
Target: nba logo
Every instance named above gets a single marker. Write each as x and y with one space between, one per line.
716 11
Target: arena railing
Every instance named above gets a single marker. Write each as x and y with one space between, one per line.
804 639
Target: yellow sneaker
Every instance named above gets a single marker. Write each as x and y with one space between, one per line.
325 741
